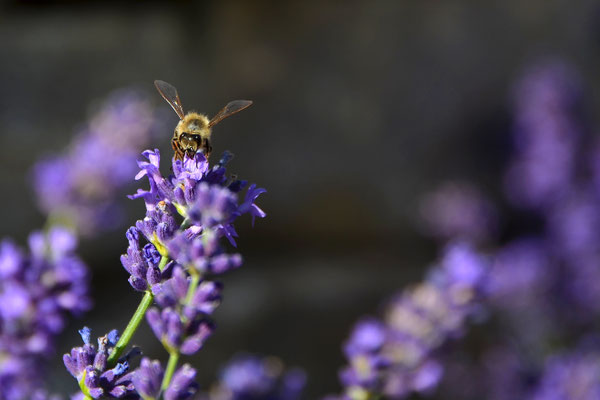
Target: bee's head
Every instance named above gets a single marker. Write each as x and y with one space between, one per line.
192 134
190 142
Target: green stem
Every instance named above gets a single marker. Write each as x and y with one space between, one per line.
171 365
163 262
84 389
131 328
193 285
174 353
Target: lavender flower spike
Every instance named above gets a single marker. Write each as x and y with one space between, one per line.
570 376
89 366
394 357
80 188
253 377
196 191
37 291
547 133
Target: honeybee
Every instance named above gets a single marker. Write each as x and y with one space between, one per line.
192 133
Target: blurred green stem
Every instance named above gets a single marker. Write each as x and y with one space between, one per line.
171 365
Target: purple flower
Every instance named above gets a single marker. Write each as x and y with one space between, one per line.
208 204
457 211
89 367
547 133
520 277
363 351
80 187
37 292
175 292
182 385
570 376
213 206
147 381
204 254
159 227
573 224
142 264
202 195
394 357
147 378
249 205
183 322
248 377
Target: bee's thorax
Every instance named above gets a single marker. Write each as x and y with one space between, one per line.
194 124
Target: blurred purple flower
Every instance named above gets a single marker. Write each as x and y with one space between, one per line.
79 188
570 376
573 224
37 291
182 385
547 133
457 210
248 377
521 274
395 357
543 286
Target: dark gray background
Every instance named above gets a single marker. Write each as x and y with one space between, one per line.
360 108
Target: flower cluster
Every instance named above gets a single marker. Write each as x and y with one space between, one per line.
547 134
79 188
37 292
249 377
89 365
396 356
207 202
172 256
570 376
182 322
543 284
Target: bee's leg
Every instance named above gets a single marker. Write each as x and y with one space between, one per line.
177 149
207 148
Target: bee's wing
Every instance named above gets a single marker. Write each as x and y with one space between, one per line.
169 93
231 108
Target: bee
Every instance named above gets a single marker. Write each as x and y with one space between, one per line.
192 133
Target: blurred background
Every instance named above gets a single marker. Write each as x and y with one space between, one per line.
360 108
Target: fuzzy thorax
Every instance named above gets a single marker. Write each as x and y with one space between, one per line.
194 124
